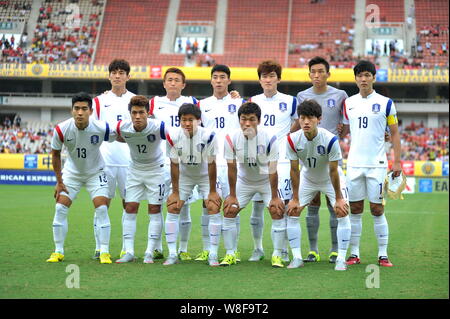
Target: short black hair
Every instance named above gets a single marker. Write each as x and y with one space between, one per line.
82 97
140 101
189 108
364 66
119 64
250 108
319 60
309 108
221 68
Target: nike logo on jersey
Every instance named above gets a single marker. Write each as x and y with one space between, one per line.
107 105
127 136
207 110
69 140
161 107
350 108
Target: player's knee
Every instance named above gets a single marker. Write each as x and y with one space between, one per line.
356 207
154 209
376 209
132 208
230 213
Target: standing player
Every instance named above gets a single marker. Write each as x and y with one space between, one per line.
82 137
367 113
113 107
165 108
252 155
145 178
331 100
219 114
192 150
319 153
278 113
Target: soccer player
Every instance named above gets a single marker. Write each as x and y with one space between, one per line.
219 114
252 155
367 114
112 107
331 100
145 178
278 113
165 108
82 137
192 150
319 152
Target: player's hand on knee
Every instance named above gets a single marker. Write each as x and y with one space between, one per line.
173 203
60 187
231 206
293 208
213 203
276 207
341 208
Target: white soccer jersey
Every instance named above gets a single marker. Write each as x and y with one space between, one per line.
145 146
277 114
252 156
83 146
112 108
220 115
166 110
191 153
368 118
314 155
331 101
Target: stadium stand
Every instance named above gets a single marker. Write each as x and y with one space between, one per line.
11 10
390 11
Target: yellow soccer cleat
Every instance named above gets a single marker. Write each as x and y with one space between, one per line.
122 253
277 262
55 258
105 258
228 260
203 256
184 256
238 256
312 257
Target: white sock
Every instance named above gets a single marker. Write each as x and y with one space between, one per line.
154 232
343 234
60 227
278 235
96 233
172 221
294 234
105 227
333 229
124 213
229 234
185 227
215 226
312 224
356 221
129 231
205 230
238 231
257 223
381 228
158 243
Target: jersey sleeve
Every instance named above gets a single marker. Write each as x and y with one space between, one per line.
291 152
334 150
110 133
57 139
230 148
96 108
391 113
171 150
294 113
272 149
211 144
345 120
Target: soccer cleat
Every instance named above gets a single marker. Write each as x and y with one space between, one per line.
203 256
213 260
158 254
312 257
184 256
228 260
285 256
296 263
126 258
96 254
105 258
340 265
237 254
384 262
257 255
353 259
55 258
148 258
332 258
277 262
171 260
122 253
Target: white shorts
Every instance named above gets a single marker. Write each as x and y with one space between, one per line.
308 189
246 192
366 182
96 184
284 182
117 177
145 185
194 195
222 186
187 186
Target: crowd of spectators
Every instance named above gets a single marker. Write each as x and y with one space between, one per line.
16 139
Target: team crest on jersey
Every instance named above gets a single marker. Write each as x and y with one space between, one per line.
151 138
231 108
376 108
283 106
95 139
200 147
321 149
331 103
260 149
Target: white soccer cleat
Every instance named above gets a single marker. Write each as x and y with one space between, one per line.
126 258
296 263
285 256
341 265
257 255
148 258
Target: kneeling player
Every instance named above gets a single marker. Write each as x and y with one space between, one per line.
319 152
256 152
82 136
145 176
192 150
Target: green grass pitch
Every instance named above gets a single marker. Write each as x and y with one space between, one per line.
418 247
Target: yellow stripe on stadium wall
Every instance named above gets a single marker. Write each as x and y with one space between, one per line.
426 168
22 161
